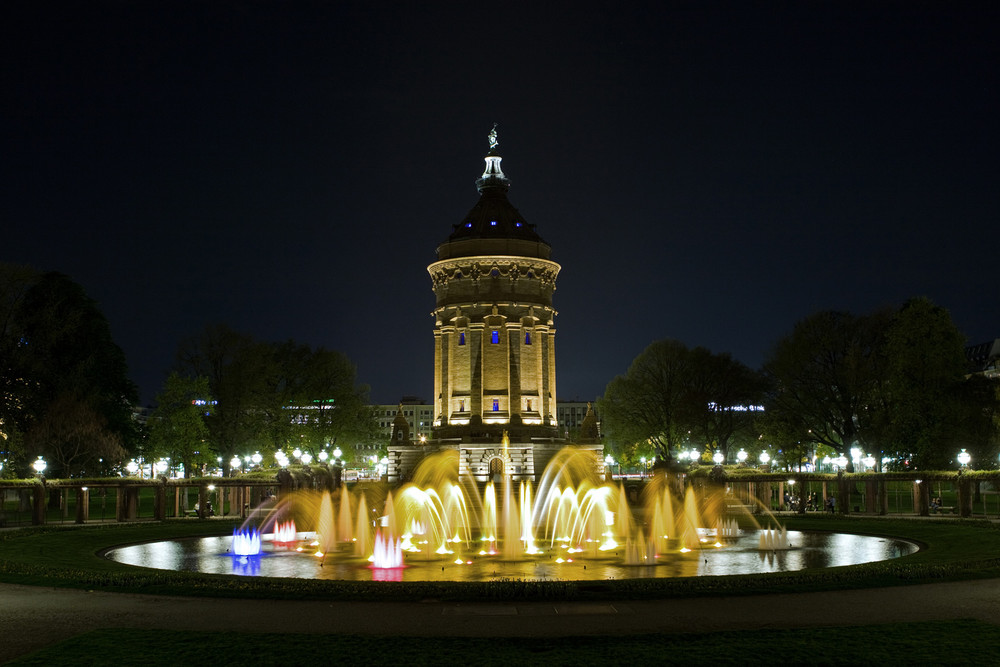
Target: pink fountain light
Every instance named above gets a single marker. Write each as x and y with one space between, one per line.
388 553
284 534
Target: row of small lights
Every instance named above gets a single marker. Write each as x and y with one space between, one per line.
963 458
39 465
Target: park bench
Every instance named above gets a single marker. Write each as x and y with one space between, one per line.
944 510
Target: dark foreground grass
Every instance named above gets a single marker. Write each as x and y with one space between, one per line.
71 557
936 642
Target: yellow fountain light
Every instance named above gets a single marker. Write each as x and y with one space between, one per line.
442 550
718 545
319 554
560 560
685 550
482 553
459 561
314 543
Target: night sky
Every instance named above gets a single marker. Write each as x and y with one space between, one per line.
710 172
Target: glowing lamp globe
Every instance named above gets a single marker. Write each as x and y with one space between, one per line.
235 462
718 458
964 458
741 456
40 465
764 458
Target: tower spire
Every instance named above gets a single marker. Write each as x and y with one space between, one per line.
493 177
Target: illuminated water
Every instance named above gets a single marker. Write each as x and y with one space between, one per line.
572 527
740 556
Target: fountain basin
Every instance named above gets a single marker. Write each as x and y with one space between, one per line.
740 555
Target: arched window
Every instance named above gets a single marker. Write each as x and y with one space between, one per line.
461 338
495 337
527 338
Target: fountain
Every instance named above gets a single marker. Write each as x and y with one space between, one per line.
572 526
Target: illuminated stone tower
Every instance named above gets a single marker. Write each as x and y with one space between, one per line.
494 345
494 332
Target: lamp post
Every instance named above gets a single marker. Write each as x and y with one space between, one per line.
643 461
741 456
39 465
764 459
234 464
718 458
132 467
964 458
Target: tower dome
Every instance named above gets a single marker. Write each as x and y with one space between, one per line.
493 225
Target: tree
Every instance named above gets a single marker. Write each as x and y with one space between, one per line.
825 378
177 427
75 437
270 395
59 354
671 393
723 397
647 403
924 392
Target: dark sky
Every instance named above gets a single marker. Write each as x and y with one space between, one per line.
710 172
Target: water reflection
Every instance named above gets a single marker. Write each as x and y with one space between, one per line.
739 556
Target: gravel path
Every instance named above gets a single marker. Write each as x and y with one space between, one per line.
34 617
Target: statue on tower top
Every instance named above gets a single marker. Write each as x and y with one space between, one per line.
494 144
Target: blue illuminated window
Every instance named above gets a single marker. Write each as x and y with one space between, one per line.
517 224
496 405
493 223
461 338
468 224
527 338
494 336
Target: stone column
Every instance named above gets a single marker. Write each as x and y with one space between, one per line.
202 502
82 504
38 504
160 500
922 497
964 496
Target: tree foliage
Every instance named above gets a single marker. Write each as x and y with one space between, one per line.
892 384
276 395
177 427
672 395
63 374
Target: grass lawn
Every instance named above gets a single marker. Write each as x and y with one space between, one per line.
938 642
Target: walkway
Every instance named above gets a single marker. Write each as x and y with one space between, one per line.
34 617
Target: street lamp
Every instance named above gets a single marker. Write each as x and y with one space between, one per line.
161 466
764 458
869 461
132 467
741 456
40 465
235 463
643 461
336 455
307 458
695 455
323 456
609 463
963 458
718 458
256 458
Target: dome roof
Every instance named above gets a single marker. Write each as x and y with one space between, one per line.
493 224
